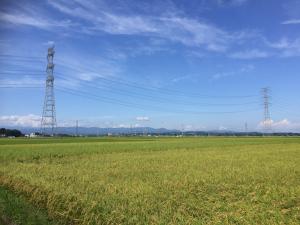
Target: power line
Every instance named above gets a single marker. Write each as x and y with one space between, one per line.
13 87
152 89
160 99
128 104
36 58
155 89
156 99
139 86
155 108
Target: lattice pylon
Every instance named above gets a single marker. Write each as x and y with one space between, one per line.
48 123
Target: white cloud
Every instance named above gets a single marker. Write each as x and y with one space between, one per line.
142 118
294 21
72 68
284 122
24 20
247 68
281 125
170 26
189 127
239 1
192 32
249 54
30 120
243 70
286 47
50 43
117 24
223 75
21 81
122 126
232 2
181 78
196 54
88 76
33 20
222 128
32 81
125 126
281 44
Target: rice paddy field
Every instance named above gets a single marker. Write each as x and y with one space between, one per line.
211 180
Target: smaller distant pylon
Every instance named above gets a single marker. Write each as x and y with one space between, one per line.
267 117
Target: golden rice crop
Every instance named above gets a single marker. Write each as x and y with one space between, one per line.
158 181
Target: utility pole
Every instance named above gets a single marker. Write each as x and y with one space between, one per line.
266 102
130 130
246 129
49 115
76 128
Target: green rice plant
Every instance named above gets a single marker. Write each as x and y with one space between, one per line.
15 209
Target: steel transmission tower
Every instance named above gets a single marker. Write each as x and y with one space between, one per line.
266 102
48 123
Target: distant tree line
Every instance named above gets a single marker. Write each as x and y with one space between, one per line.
10 132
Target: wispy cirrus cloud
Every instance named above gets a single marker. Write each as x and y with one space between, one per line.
87 67
286 47
180 78
231 2
249 54
26 80
170 25
293 21
71 69
33 20
243 70
174 26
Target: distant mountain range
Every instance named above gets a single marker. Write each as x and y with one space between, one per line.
141 131
101 131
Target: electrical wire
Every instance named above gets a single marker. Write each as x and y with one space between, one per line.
144 96
159 99
134 84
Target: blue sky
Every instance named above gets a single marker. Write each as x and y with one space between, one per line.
192 65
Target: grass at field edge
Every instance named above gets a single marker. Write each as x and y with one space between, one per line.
15 210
